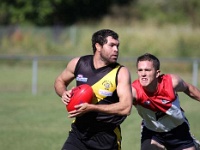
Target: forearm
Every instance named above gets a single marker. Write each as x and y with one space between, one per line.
59 87
115 109
193 92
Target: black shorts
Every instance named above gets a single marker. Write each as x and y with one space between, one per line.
98 141
177 139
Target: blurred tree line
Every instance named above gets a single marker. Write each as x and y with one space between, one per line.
51 12
68 12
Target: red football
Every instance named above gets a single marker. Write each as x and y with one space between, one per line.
80 94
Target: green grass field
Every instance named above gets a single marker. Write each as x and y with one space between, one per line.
40 122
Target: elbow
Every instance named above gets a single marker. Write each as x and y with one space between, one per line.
58 87
55 88
126 111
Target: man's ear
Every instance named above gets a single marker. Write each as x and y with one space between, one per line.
98 46
157 73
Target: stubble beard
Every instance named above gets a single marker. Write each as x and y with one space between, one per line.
107 60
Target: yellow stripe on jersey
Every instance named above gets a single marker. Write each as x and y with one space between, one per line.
119 138
106 86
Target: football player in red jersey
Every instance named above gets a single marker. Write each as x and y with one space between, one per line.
156 99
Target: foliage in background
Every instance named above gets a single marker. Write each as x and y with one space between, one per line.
166 41
53 12
164 28
68 12
179 11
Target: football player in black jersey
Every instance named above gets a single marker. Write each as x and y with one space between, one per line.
97 125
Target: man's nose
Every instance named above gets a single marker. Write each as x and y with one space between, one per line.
143 73
116 48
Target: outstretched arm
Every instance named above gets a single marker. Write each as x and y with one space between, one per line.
192 91
181 86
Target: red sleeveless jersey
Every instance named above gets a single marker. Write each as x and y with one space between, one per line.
160 100
160 111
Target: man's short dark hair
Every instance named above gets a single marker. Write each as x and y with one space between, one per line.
149 57
101 37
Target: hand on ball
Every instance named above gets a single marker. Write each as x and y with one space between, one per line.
79 95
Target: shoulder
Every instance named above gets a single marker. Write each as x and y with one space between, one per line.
135 84
175 78
178 83
123 76
134 94
123 72
86 57
73 61
123 69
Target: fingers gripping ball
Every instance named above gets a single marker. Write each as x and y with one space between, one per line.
80 94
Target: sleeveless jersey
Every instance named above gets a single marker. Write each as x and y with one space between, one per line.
103 82
160 110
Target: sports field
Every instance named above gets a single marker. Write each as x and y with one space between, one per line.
40 122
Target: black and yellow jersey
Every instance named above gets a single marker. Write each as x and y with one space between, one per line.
95 129
103 82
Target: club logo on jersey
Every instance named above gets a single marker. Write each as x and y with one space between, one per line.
107 88
107 84
81 78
